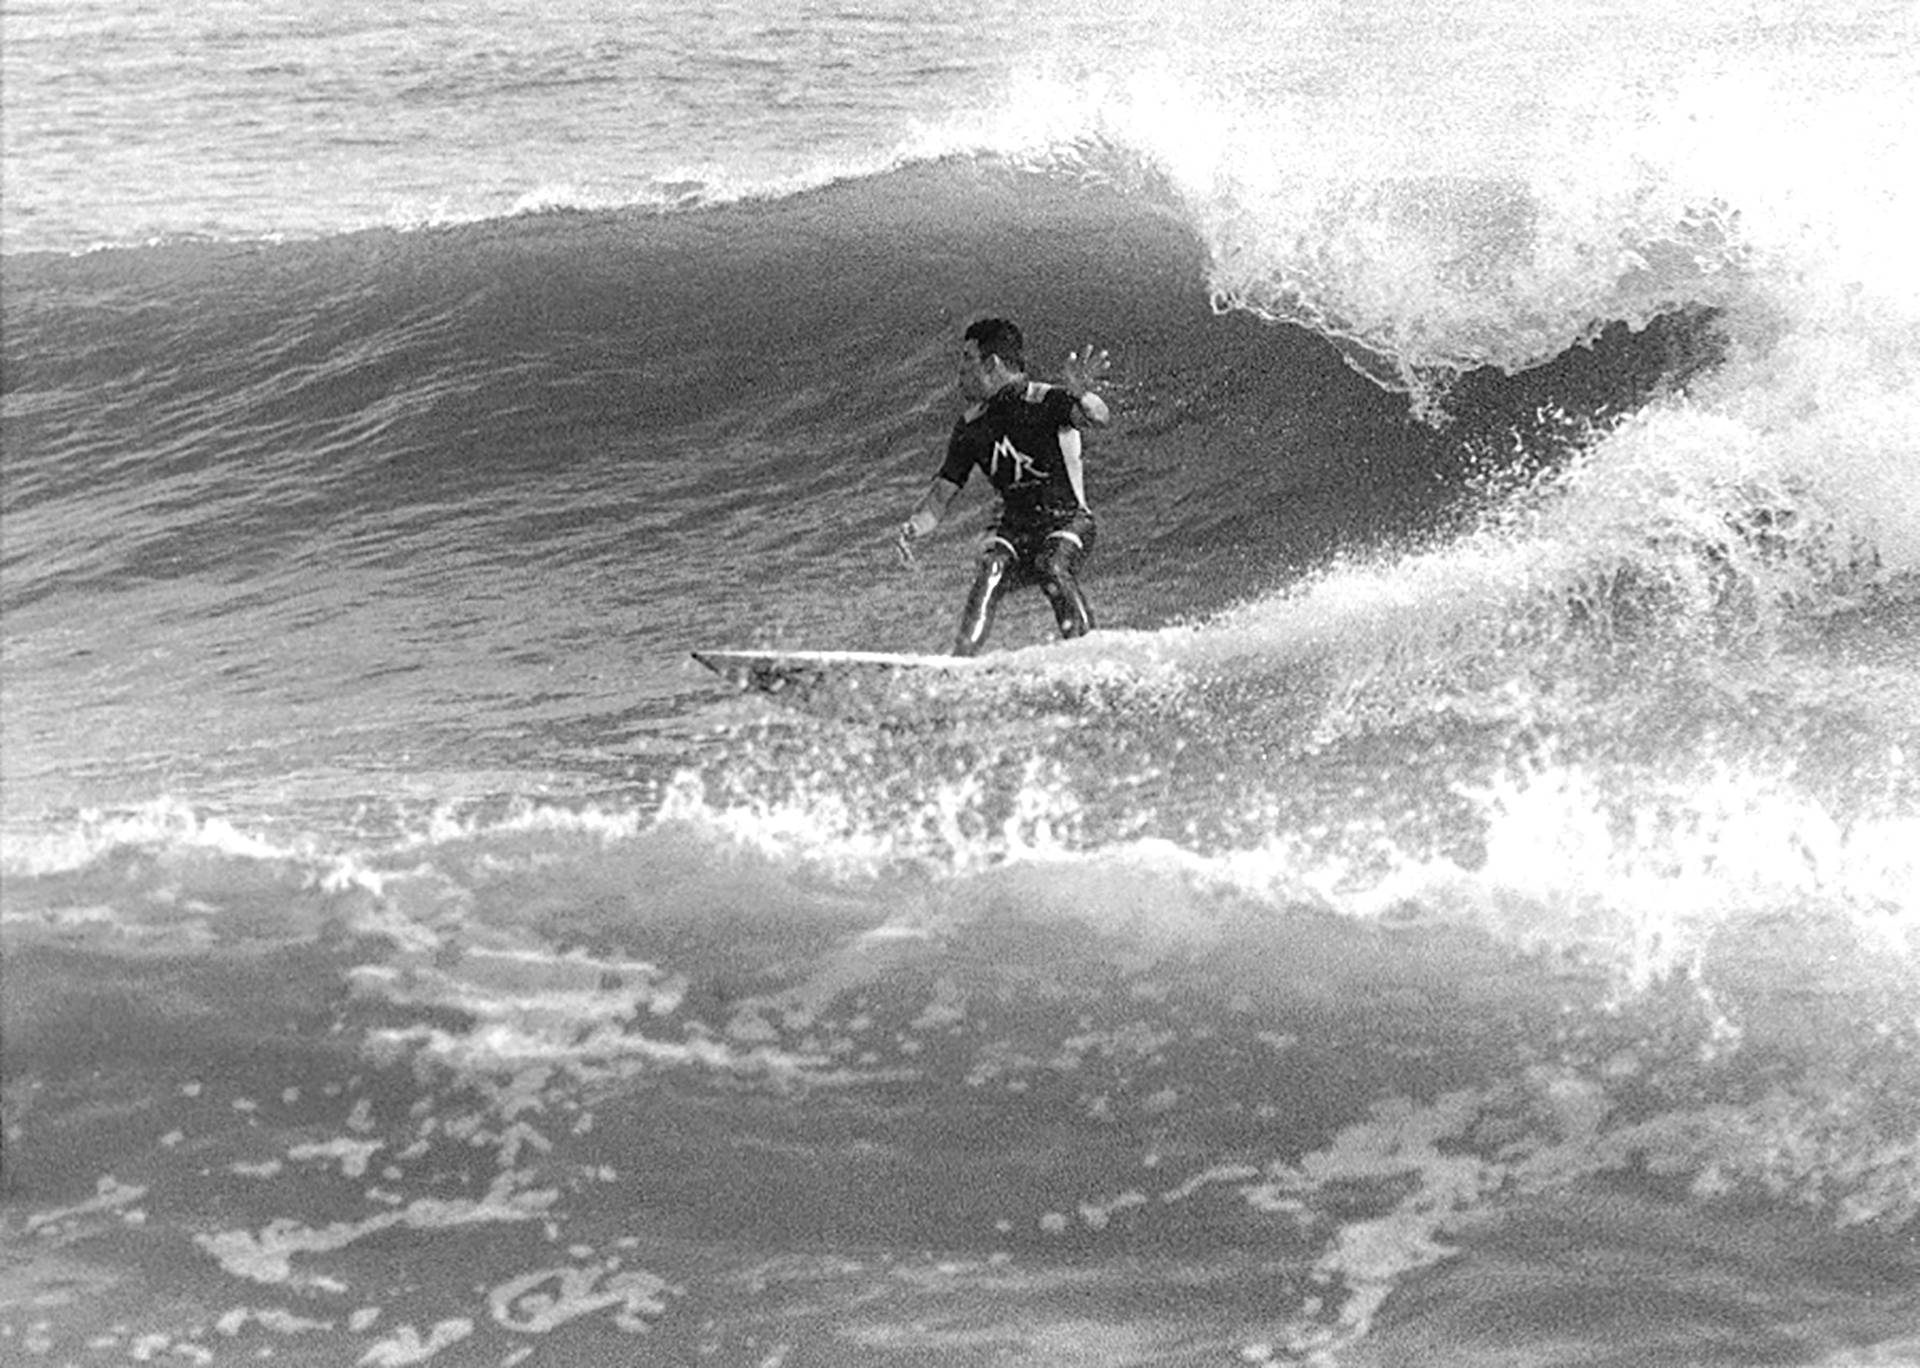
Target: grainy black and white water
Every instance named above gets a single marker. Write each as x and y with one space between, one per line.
1462 908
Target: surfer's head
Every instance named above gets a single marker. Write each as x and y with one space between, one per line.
992 353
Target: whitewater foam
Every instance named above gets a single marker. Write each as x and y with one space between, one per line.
1491 185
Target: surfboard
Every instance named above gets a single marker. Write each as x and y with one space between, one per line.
775 671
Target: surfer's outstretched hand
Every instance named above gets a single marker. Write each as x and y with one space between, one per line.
903 543
1086 368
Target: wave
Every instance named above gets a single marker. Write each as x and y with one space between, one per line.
1487 811
1674 1023
341 469
384 382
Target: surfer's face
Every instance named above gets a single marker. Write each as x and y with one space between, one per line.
977 379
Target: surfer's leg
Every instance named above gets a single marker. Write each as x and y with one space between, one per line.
1059 581
990 582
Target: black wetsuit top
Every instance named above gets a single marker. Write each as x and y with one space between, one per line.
1015 438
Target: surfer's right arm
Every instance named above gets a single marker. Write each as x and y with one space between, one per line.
926 515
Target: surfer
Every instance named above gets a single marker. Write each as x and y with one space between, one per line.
1026 436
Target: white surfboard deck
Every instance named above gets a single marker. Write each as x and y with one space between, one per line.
772 671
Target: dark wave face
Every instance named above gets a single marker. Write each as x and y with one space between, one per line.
389 468
1458 908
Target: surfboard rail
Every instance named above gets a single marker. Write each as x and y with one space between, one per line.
771 671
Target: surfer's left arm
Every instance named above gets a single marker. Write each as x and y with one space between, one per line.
1082 372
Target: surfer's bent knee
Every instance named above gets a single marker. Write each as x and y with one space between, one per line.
996 552
1064 549
1062 556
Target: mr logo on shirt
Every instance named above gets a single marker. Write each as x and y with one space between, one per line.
1022 463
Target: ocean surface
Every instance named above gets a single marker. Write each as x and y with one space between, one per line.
1462 907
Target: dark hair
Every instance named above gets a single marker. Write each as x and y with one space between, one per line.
998 337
